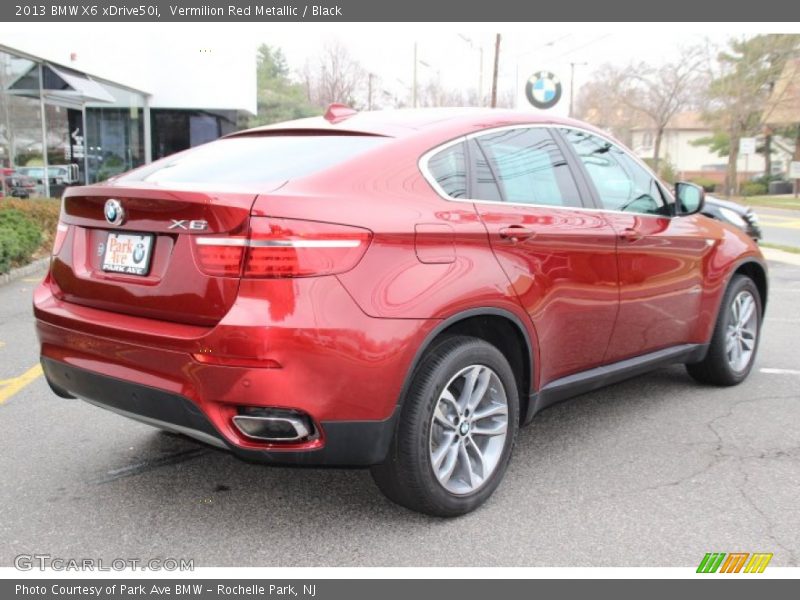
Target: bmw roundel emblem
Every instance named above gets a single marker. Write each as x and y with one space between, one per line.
138 253
114 212
543 89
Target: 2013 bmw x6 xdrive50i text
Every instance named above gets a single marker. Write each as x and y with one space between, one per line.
398 290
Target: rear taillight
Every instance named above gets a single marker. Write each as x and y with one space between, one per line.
279 248
220 257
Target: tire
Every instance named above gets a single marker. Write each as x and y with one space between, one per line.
432 428
723 365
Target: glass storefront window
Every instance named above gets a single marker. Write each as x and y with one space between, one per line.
114 134
20 119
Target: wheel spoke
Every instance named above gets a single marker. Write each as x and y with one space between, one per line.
441 418
441 451
494 410
476 452
748 306
464 459
484 378
447 396
470 379
496 429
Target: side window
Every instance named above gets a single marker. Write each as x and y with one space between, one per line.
484 184
621 182
529 167
449 169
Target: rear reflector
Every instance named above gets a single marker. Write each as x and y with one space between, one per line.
279 248
61 235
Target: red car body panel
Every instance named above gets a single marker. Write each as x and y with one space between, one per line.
341 347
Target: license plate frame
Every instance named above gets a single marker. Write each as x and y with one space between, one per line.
128 253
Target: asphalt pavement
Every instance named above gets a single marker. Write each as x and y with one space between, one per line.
780 226
656 471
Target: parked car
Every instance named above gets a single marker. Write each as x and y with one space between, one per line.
396 290
18 186
733 213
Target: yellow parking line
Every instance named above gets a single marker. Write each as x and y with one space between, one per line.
15 384
32 279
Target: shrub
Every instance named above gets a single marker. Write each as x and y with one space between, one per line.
754 188
20 237
709 185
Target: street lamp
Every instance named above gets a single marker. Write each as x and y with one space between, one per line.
414 83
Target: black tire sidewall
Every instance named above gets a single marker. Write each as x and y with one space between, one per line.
739 284
427 390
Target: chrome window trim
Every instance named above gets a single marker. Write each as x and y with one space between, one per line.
422 164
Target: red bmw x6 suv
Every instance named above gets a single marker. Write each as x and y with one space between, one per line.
399 290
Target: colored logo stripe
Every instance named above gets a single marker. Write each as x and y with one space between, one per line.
758 562
734 562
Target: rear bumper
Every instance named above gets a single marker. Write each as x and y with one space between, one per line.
319 355
347 443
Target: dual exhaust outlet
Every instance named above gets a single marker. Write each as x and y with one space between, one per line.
273 424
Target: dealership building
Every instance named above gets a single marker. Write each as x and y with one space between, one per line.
88 110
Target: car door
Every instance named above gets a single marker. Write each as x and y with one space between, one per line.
559 257
660 256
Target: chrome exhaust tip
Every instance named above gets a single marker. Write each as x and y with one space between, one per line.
273 425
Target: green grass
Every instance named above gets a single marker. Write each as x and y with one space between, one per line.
786 202
791 249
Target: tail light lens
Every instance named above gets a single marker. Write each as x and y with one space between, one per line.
292 248
220 257
280 248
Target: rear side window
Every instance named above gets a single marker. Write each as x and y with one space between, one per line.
529 167
252 159
449 169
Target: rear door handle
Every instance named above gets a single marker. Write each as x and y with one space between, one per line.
629 234
515 233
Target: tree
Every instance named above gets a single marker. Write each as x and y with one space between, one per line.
279 98
743 76
337 77
657 93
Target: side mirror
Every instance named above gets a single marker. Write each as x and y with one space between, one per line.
689 197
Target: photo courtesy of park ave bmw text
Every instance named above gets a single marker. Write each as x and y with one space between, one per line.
366 299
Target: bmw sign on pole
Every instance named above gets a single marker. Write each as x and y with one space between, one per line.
543 89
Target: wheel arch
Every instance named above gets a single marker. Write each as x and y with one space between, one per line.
494 326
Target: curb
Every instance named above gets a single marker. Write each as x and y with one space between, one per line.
781 256
28 269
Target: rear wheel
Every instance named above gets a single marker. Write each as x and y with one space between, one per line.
735 341
457 429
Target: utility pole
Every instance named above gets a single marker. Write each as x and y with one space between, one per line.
494 71
370 76
572 66
472 45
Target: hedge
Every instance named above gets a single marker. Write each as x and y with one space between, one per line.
27 228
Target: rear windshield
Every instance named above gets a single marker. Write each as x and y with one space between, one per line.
252 159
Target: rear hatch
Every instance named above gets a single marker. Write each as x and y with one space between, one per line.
148 264
166 241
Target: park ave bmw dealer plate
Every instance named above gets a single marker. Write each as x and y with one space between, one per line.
128 253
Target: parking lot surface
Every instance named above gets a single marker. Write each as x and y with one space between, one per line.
655 471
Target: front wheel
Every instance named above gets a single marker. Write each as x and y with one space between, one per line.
735 340
456 432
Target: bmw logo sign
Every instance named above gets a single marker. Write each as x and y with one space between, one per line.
543 89
114 212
